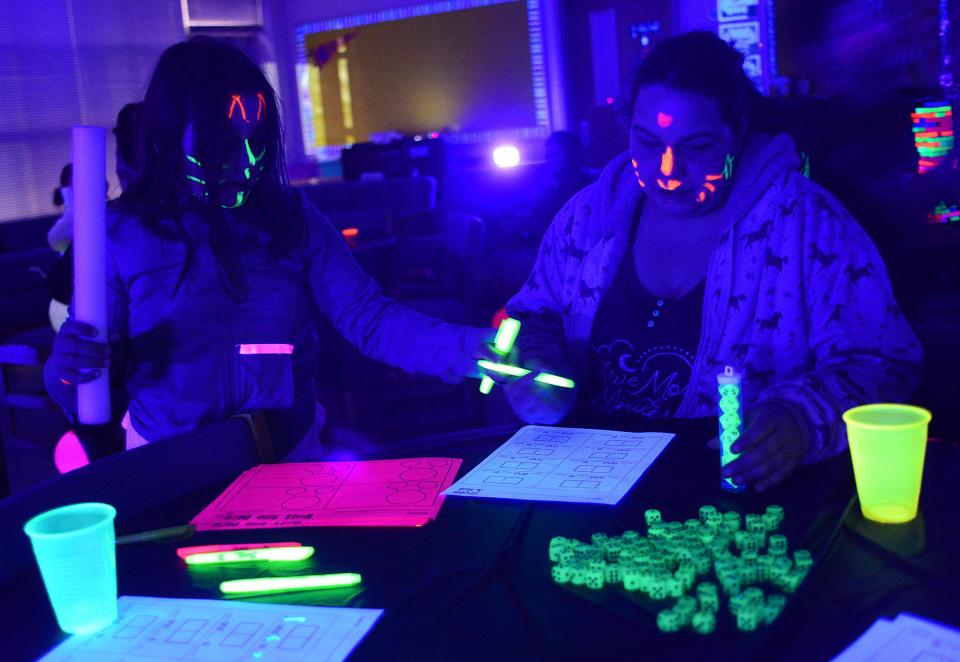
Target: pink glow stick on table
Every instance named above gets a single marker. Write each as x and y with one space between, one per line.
184 552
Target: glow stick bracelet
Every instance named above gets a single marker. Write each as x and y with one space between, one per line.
554 380
515 371
503 368
184 552
245 555
278 584
502 345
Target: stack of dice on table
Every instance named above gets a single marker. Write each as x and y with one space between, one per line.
674 556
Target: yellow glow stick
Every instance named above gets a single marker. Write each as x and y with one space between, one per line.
554 380
278 584
503 368
502 345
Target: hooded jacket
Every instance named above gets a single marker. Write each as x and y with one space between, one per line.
192 355
797 299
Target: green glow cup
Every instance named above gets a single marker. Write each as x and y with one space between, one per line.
887 446
75 549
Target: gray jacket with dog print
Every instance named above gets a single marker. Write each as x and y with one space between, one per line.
797 297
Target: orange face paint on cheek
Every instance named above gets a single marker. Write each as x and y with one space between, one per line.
636 171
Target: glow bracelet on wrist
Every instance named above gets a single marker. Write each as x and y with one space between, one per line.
729 386
502 345
245 555
554 380
279 584
515 371
503 368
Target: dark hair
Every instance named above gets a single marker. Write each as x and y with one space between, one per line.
66 179
193 82
127 132
702 63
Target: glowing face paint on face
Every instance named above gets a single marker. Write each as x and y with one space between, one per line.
636 171
666 162
678 140
235 102
666 169
708 188
243 167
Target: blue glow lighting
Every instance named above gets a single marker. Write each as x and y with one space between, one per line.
506 156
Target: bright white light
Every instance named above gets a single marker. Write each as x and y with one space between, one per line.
506 156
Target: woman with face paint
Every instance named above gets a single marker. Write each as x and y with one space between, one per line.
703 247
217 271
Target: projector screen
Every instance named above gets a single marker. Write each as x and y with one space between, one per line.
471 70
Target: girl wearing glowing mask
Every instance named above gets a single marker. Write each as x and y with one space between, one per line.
701 247
217 271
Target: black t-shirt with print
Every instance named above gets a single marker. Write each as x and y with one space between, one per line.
641 354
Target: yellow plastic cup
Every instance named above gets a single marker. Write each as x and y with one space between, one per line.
887 446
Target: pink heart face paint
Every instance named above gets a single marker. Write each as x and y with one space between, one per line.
678 148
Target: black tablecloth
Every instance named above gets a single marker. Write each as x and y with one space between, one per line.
475 583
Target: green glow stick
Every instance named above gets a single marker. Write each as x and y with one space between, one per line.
502 345
244 555
506 336
279 584
554 380
503 368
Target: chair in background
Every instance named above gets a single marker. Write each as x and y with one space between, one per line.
30 422
437 265
393 198
24 300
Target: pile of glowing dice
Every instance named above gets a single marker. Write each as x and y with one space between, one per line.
674 556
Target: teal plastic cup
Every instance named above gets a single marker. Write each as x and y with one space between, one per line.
75 547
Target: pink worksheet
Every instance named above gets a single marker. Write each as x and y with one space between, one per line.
375 493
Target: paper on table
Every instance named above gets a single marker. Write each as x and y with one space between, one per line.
160 629
376 493
907 637
541 463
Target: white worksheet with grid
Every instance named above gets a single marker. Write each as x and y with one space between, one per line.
166 629
542 463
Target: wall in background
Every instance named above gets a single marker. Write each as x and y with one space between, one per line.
694 15
281 20
638 27
66 62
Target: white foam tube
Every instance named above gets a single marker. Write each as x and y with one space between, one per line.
90 257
